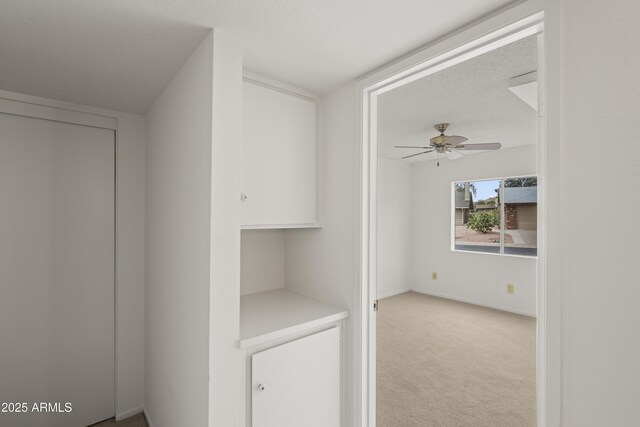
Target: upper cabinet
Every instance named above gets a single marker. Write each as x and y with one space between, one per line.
279 157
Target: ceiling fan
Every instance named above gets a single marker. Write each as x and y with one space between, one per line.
449 145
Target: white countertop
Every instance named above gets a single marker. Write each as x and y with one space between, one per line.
269 315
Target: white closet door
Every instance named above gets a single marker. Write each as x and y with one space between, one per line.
56 271
298 383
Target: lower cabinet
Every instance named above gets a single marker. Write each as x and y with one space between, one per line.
297 384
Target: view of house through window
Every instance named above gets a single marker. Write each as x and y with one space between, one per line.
497 216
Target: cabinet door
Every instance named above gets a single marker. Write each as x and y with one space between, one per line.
298 383
279 170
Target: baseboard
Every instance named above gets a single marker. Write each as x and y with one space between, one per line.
468 301
130 413
392 293
146 416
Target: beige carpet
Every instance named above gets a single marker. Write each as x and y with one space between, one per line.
135 421
444 363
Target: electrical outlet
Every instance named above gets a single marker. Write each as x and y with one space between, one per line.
434 275
511 289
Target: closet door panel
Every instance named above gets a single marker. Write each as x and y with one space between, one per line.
56 272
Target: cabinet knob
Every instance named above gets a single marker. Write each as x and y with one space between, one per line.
262 387
243 197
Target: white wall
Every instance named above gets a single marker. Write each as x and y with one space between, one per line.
130 263
321 262
394 226
601 338
472 277
262 261
226 361
179 135
194 369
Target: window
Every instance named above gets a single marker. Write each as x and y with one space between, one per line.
498 216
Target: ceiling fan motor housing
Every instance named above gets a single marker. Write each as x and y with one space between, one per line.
439 140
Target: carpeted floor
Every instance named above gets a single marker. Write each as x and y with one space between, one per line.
444 363
135 421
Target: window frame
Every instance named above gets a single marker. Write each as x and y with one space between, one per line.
502 216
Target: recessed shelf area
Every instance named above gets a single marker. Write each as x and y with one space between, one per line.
275 314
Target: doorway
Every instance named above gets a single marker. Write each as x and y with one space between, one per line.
57 266
457 246
514 25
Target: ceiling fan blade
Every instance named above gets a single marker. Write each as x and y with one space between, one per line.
454 139
452 154
410 146
417 154
488 146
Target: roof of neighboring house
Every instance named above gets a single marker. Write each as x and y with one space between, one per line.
521 195
460 201
480 206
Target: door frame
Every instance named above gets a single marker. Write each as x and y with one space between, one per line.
509 25
126 134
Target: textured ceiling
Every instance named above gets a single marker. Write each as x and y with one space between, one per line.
473 96
120 53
